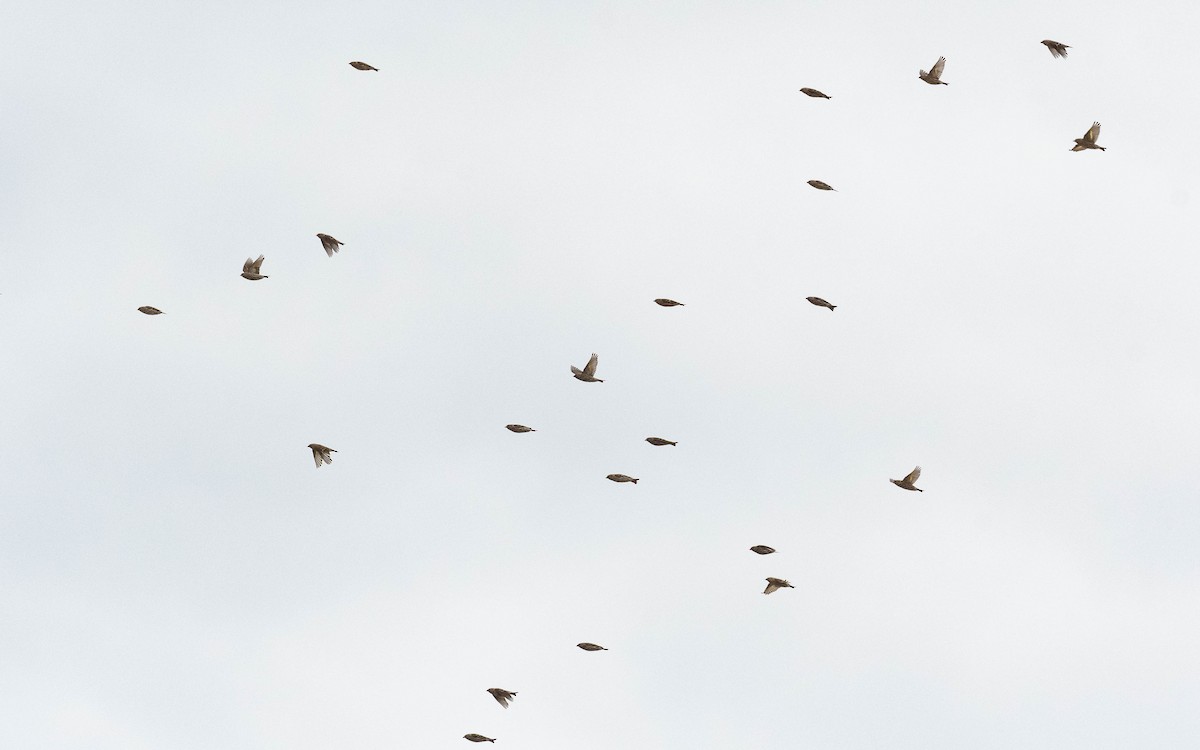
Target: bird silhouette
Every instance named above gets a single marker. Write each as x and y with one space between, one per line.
502 696
909 482
1057 49
1089 139
934 76
251 268
774 584
330 244
321 454
588 373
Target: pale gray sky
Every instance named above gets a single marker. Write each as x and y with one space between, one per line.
514 188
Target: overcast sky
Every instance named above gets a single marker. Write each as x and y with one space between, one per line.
515 186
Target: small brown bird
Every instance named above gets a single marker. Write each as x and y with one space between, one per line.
590 647
363 66
588 373
321 453
330 244
472 736
1057 49
660 441
908 482
502 696
815 94
668 302
762 549
518 428
1089 139
821 185
820 302
934 76
774 584
150 310
251 268
622 478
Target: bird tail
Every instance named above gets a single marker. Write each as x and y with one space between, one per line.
598 380
918 489
634 481
833 307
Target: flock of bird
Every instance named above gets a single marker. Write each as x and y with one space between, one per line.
322 454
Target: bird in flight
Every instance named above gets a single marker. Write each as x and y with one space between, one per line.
321 454
150 310
518 428
590 647
934 76
664 302
821 185
330 244
502 696
364 66
762 549
588 373
477 738
251 268
660 441
908 482
774 584
820 302
814 93
622 478
1057 49
1089 139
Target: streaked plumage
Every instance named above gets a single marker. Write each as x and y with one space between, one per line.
477 738
321 454
667 302
660 441
820 302
814 93
363 66
1089 139
518 428
1057 49
502 696
622 478
591 647
251 269
821 185
330 244
150 310
934 76
762 549
908 482
774 584
588 373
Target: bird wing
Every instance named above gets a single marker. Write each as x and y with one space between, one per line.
590 369
248 265
575 370
317 457
1093 133
913 475
936 70
256 266
771 586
